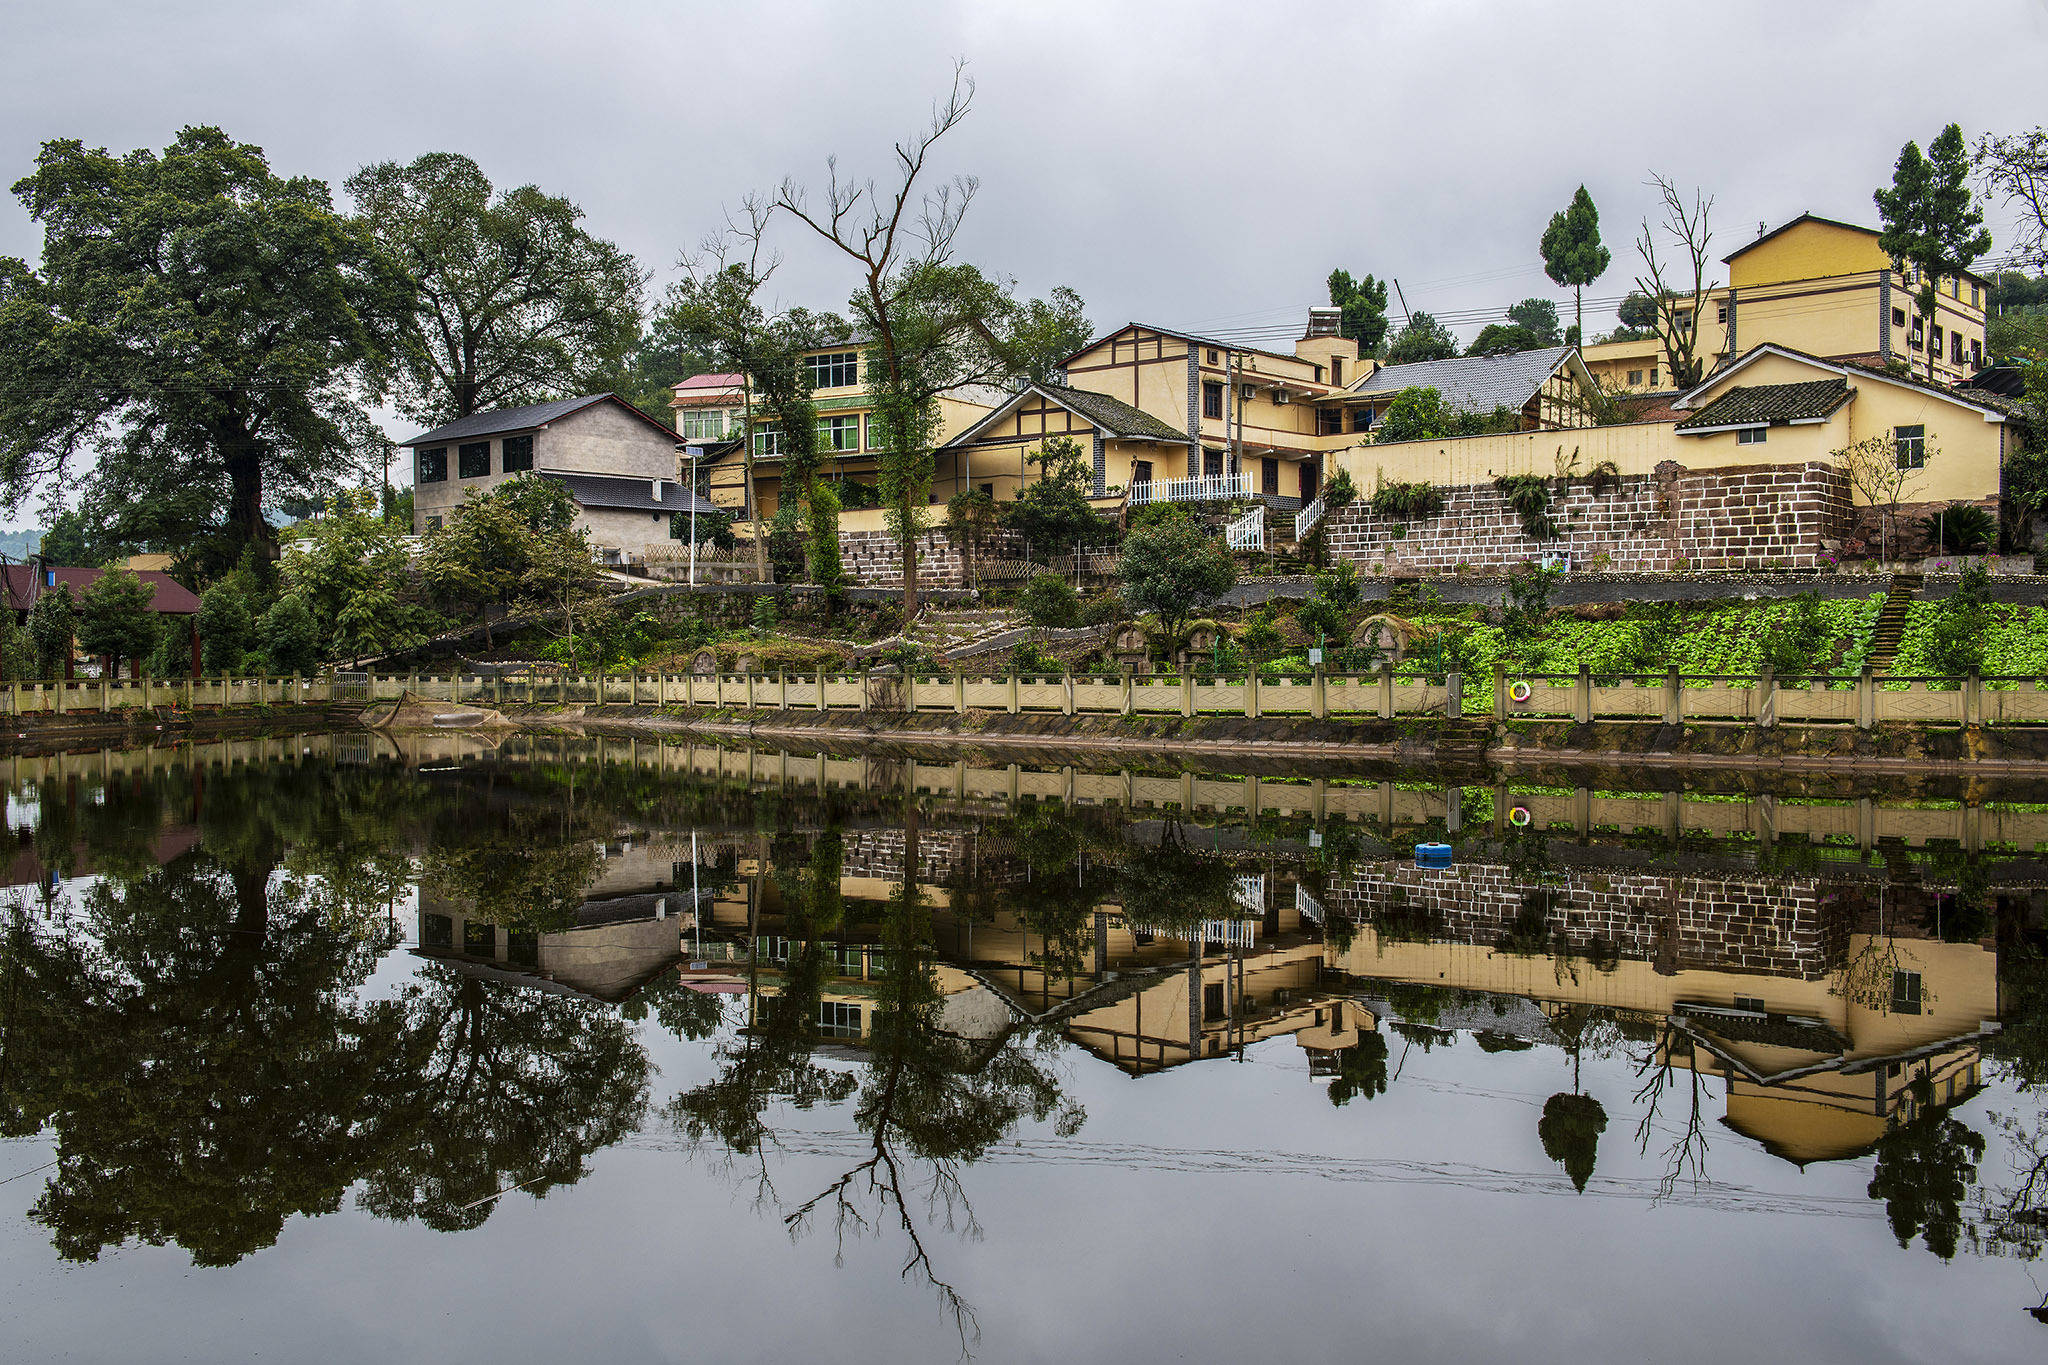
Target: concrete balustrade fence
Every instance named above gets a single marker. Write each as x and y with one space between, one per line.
1672 698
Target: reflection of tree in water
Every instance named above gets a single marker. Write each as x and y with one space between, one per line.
495 1088
1924 1172
1361 1070
1686 1156
1067 878
1570 1131
1170 887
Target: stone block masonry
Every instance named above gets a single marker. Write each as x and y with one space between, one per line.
1750 519
873 559
1776 928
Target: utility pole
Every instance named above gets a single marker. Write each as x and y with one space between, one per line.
693 454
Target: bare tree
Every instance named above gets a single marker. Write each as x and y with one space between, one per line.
2015 168
1883 479
890 237
1678 313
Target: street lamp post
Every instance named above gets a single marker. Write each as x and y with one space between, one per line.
693 454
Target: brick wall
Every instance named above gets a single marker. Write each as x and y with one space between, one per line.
873 559
1775 927
1750 518
878 853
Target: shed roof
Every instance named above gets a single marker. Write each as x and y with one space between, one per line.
1751 405
1473 383
505 421
622 493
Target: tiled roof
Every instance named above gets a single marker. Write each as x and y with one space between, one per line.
23 585
1113 415
618 491
711 381
1473 383
502 421
1751 405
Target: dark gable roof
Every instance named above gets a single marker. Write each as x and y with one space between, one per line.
619 492
1982 401
1752 405
1113 415
1194 338
1472 383
505 421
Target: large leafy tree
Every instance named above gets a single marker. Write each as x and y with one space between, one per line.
1423 338
1573 255
2015 167
198 323
1364 305
352 570
1172 569
114 619
1923 1173
1931 220
513 301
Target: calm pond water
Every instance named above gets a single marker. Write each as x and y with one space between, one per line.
317 1051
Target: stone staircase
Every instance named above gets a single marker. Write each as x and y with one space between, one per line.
1891 621
948 631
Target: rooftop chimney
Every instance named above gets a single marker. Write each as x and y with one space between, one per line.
1324 321
654 488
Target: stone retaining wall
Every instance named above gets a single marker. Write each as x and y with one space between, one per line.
1754 518
874 559
1776 927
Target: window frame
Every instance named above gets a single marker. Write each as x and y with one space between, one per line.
1908 996
767 438
1212 400
430 465
506 454
703 424
831 425
1910 451
1752 436
463 451
833 370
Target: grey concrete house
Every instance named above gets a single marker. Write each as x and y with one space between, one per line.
618 463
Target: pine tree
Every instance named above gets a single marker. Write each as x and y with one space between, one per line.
1931 220
1572 253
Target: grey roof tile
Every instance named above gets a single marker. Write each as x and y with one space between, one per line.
619 491
1473 383
1765 404
499 421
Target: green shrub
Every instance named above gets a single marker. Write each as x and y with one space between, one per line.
1960 528
1407 501
1049 600
1529 495
287 637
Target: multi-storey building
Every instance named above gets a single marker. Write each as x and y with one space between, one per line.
1825 288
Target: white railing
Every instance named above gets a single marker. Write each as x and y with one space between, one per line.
1307 906
1305 520
1248 532
1251 893
1216 488
1230 933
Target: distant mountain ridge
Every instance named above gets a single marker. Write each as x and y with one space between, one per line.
19 545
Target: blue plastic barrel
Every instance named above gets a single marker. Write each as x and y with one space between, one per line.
1433 855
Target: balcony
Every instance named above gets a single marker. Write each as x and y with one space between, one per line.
1214 488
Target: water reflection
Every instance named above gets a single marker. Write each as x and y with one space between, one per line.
235 993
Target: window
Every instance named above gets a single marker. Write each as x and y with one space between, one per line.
1319 374
1212 1000
1750 1003
1911 446
878 432
437 931
1213 358
703 424
1917 339
839 433
1212 400
1905 992
433 466
1269 476
473 459
838 1019
1955 348
1336 369
1721 314
1898 317
480 938
1653 379
1212 464
433 523
517 454
1976 296
1329 421
1635 377
1361 419
1976 354
838 370
1751 436
1141 471
767 439
1934 342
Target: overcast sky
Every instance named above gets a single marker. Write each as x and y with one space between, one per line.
1189 163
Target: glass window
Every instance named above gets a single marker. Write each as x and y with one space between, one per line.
1721 313
1905 992
473 459
1635 377
433 466
703 424
1212 355
437 931
1918 336
518 454
839 433
1361 419
838 1019
1329 421
1976 297
1212 400
1911 446
1751 1003
835 370
480 937
1898 317
1653 379
1955 348
1976 354
767 439
1751 436
878 432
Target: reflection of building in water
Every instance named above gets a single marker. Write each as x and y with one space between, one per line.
633 924
1819 1022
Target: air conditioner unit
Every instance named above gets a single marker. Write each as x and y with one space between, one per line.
1245 392
1281 396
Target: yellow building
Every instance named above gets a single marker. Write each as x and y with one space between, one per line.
1823 287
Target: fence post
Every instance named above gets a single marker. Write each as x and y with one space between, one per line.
1013 692
866 680
1067 686
1386 691
107 696
1187 694
188 693
1500 689
821 701
58 686
1454 695
412 682
1251 694
1766 699
959 694
1866 699
1582 697
1318 700
1973 698
1672 696
750 689
14 698
1130 688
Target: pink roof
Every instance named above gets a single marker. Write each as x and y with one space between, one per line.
706 389
24 583
710 381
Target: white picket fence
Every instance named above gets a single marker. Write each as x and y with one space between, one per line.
1305 520
1215 488
1248 532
